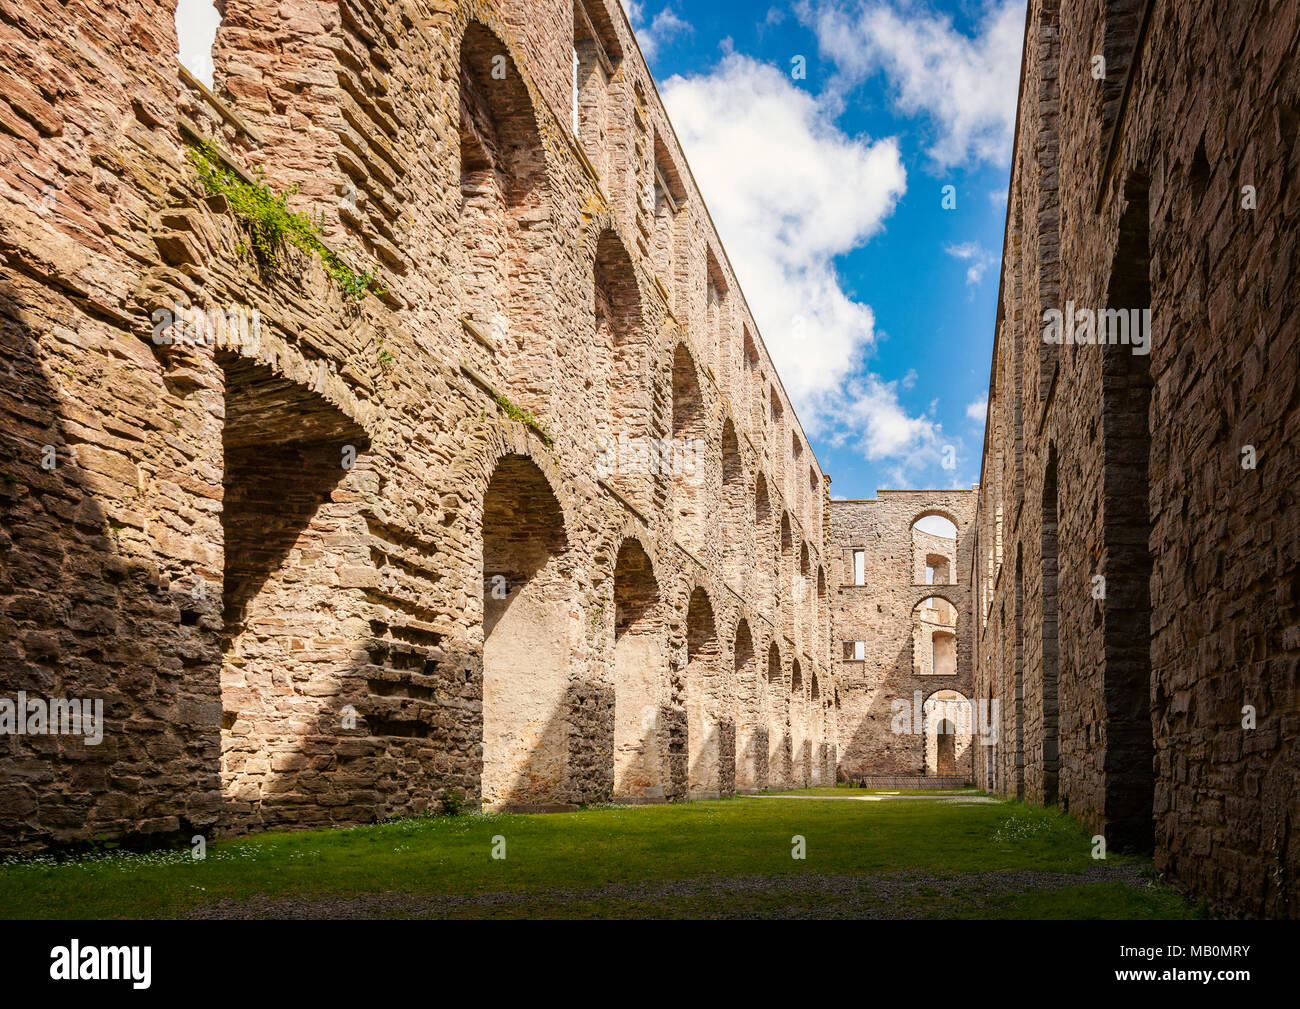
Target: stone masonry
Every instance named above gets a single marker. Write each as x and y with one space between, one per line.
885 626
1136 558
533 523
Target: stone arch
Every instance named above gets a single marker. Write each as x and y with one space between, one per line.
504 189
777 706
289 513
798 727
817 730
763 540
527 596
934 548
733 532
690 505
947 712
640 697
669 197
705 743
626 425
820 630
1049 752
1018 673
596 60
1125 515
934 617
751 734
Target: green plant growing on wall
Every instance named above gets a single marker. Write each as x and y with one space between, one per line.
271 223
524 417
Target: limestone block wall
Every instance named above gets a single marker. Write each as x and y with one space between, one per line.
1136 557
312 560
886 614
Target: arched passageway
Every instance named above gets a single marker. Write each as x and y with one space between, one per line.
639 678
526 605
710 741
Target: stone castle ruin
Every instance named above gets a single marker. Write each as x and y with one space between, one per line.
385 427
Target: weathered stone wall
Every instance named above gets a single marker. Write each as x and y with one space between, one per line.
883 613
1136 570
313 565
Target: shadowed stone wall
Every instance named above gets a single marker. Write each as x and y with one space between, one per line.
342 558
1137 535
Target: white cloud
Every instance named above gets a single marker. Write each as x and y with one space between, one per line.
966 86
977 258
789 192
978 409
196 30
663 27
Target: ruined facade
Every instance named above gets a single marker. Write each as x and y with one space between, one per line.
532 522
904 645
1137 537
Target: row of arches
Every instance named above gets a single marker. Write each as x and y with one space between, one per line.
718 724
504 201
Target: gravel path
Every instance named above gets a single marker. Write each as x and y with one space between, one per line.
905 895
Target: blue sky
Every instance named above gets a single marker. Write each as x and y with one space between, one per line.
822 134
876 303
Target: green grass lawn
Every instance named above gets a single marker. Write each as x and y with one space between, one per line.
621 861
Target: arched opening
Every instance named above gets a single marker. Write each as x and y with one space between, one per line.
1018 674
706 746
717 318
640 684
934 637
503 192
689 453
817 733
821 629
934 550
948 721
1049 757
626 427
596 59
1126 526
751 734
290 517
763 558
805 599
670 196
733 538
777 741
943 648
946 757
785 575
798 728
527 598
753 388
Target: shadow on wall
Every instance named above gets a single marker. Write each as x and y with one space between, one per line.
528 637
875 721
87 615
